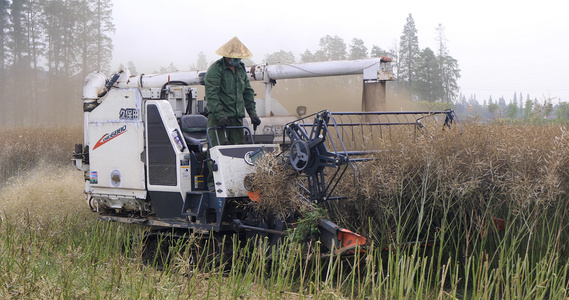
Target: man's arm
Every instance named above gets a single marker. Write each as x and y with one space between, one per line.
212 88
249 98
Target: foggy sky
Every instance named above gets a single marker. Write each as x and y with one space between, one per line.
502 46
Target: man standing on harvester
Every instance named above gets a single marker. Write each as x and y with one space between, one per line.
229 94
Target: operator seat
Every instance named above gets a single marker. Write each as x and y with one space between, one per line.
194 129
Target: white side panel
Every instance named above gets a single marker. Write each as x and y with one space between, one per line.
232 168
116 142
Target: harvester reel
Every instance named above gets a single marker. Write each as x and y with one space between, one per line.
299 155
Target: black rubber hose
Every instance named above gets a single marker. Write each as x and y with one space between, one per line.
112 81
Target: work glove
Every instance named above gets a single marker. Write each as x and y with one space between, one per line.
255 121
223 122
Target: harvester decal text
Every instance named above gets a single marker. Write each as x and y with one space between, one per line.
109 136
128 114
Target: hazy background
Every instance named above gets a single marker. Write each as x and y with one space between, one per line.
502 47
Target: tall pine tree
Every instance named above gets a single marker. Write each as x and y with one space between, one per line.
331 48
86 37
377 52
428 77
54 27
307 56
4 29
4 56
449 71
408 54
104 27
36 49
19 92
358 50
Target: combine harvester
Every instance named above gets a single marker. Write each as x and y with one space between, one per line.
145 148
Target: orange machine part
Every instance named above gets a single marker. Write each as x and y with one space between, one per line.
255 196
350 239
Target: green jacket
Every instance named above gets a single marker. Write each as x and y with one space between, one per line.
228 94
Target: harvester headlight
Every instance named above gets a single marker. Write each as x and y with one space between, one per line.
203 147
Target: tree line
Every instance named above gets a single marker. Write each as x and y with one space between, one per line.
519 108
421 74
47 47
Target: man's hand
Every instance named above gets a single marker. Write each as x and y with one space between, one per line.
223 122
255 121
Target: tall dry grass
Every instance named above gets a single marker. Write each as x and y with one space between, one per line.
22 149
438 193
36 176
451 189
485 170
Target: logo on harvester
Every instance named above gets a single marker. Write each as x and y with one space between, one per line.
109 136
128 114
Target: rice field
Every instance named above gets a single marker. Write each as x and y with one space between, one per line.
473 214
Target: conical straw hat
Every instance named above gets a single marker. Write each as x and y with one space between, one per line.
234 49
